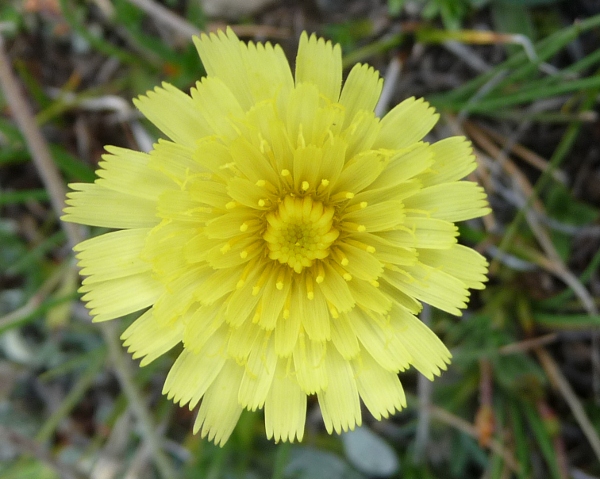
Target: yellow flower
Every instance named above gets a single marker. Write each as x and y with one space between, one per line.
285 235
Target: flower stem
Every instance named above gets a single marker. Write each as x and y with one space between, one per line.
281 460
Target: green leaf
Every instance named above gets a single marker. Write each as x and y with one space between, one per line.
369 453
509 18
520 437
13 197
311 463
543 439
395 7
566 321
28 468
562 206
526 3
71 166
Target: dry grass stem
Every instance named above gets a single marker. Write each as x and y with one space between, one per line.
56 189
562 385
523 346
468 428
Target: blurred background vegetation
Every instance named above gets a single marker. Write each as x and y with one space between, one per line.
520 78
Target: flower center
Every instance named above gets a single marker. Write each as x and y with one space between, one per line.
299 232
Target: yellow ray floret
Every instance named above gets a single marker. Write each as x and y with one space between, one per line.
285 235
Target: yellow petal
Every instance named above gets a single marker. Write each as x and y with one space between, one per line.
387 252
220 410
459 261
249 194
343 337
422 233
253 162
258 374
314 314
430 285
148 338
220 283
273 300
458 201
182 206
404 165
370 297
252 72
320 63
362 132
379 339
241 304
361 171
210 193
406 124
112 255
378 217
94 205
285 406
379 388
340 404
174 113
360 263
268 133
241 252
217 105
309 362
164 249
230 224
128 171
302 110
361 90
201 324
121 296
181 293
453 160
288 327
242 341
306 166
429 355
336 291
173 160
332 161
193 373
397 192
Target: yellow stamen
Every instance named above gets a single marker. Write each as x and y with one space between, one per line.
300 232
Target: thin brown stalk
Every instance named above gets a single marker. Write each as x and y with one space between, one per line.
468 428
562 385
524 153
553 262
523 346
53 182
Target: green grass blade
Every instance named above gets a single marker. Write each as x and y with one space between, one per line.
16 197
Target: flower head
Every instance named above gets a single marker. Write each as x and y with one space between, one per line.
285 235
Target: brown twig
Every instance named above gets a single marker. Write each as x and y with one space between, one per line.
524 153
552 262
485 423
528 344
36 143
562 385
468 428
